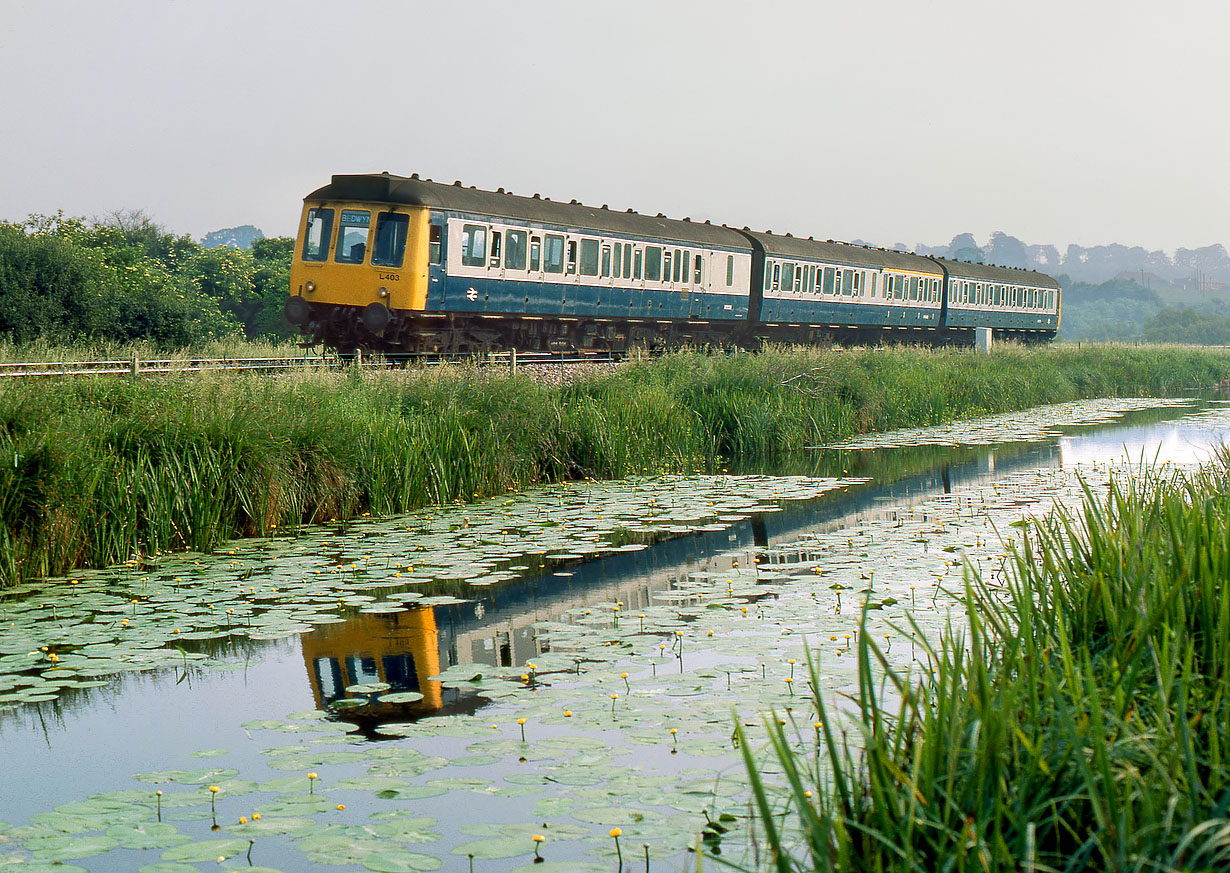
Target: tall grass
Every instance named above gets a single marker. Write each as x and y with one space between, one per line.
1081 722
103 470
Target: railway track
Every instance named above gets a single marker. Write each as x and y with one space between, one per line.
140 368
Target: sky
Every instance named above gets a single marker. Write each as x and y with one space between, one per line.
1056 121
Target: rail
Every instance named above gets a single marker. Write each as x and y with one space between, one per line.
135 367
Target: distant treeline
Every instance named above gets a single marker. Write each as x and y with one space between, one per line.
1126 311
125 279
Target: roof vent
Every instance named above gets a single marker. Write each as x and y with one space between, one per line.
604 206
414 175
706 221
628 210
456 183
536 197
499 190
828 240
574 202
688 219
660 215
788 236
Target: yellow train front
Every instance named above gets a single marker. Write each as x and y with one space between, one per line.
395 264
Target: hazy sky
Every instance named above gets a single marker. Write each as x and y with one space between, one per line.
1057 121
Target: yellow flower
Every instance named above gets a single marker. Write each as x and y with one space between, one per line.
615 832
520 721
256 816
341 806
312 776
214 789
243 819
539 838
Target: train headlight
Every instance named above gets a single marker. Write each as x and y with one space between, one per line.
383 292
309 286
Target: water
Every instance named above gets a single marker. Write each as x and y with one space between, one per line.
718 596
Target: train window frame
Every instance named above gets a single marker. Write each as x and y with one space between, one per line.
472 237
553 253
638 257
698 269
667 261
787 277
628 249
617 260
778 269
571 248
344 252
653 263
674 267
390 247
768 275
587 258
435 247
828 280
798 278
319 251
604 261
515 245
730 270
497 239
535 253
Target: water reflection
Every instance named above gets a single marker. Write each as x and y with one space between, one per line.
497 626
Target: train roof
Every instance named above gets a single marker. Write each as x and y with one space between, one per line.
1000 275
413 191
844 253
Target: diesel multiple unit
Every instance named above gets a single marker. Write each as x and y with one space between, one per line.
393 264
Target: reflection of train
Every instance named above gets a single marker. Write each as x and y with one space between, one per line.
403 264
497 627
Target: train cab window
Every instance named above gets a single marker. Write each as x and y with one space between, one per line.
535 254
473 245
787 279
572 257
589 257
391 230
653 264
628 262
605 268
496 238
619 255
636 265
514 250
555 253
317 234
697 269
434 236
352 236
730 270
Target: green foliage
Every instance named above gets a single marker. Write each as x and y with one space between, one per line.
1188 326
127 280
1080 723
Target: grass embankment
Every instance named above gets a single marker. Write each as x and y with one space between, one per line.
103 470
1081 722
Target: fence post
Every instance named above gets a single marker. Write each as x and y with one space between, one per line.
134 366
512 362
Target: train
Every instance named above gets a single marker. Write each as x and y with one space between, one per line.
401 265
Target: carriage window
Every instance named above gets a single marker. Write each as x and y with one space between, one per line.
555 253
495 248
514 250
316 237
628 262
675 268
666 266
777 274
636 265
768 275
787 277
619 254
847 282
572 257
606 261
858 283
683 269
828 280
653 263
589 257
535 254
391 229
433 244
352 236
697 269
730 270
798 278
473 245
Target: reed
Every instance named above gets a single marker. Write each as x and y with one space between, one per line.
1079 723
97 471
